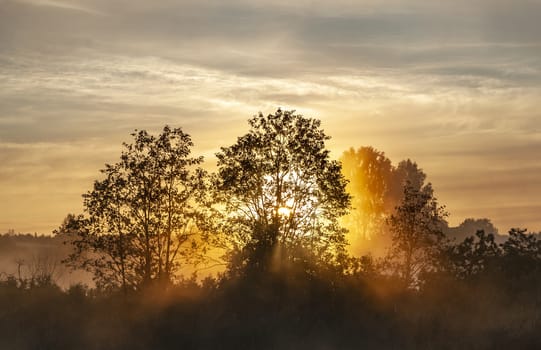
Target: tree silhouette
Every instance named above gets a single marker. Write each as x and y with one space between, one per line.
281 192
522 259
417 233
472 256
523 244
142 217
470 226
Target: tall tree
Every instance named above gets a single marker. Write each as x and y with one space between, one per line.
142 217
281 191
417 233
369 174
377 188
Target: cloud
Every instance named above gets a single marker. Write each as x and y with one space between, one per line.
268 38
453 85
62 5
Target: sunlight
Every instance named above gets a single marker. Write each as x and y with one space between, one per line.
284 211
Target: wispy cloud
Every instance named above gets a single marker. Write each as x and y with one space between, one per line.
453 85
64 5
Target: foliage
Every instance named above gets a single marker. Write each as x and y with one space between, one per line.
521 262
142 219
376 187
369 173
473 256
281 192
521 244
417 233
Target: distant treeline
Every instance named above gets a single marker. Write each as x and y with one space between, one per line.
25 255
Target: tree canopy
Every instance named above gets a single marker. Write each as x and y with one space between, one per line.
281 191
417 233
142 217
370 180
377 188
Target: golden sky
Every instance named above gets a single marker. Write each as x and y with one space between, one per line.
454 86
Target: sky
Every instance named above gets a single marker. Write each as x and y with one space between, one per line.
452 85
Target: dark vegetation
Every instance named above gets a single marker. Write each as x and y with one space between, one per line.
256 256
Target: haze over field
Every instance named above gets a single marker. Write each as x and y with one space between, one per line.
453 86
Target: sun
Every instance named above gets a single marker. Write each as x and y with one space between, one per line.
284 211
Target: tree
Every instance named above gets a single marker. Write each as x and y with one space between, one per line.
472 256
522 257
417 233
281 192
519 243
142 218
513 266
377 188
470 226
369 173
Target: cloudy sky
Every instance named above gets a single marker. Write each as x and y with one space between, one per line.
453 85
